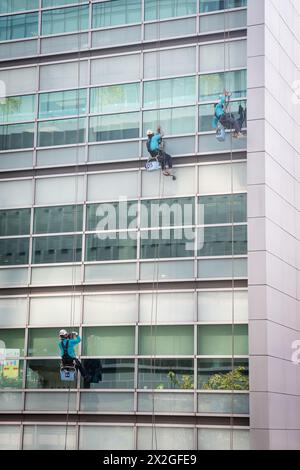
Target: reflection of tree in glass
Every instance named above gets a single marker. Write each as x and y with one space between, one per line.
112 95
233 380
10 105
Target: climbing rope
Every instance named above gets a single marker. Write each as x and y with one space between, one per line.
227 43
75 220
155 280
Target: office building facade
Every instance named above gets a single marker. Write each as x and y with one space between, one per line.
152 273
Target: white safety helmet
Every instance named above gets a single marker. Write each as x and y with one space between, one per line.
150 132
63 333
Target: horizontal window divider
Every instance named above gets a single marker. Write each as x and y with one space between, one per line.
165 356
50 265
21 12
223 356
229 257
110 325
232 69
55 234
11 41
17 123
62 35
106 413
114 141
217 12
169 77
105 390
124 25
169 19
217 323
61 118
221 279
162 391
14 266
121 261
6 237
26 149
115 113
160 260
129 357
223 392
212 102
68 204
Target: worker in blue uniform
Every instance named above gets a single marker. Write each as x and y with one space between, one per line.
154 147
227 119
68 355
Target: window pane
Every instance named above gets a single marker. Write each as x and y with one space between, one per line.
166 403
171 62
222 178
222 268
11 401
107 69
206 115
223 403
166 438
212 5
17 108
165 373
169 8
112 216
122 402
12 339
13 311
210 86
16 193
58 219
109 247
217 241
60 249
14 222
65 20
116 12
44 373
16 136
212 56
167 212
52 401
108 341
14 251
167 243
11 374
216 374
62 103
110 309
18 26
60 76
115 98
114 127
166 340
106 437
222 340
10 6
55 310
41 437
173 121
172 92
67 189
19 80
45 342
112 186
233 20
175 307
217 306
223 209
116 373
63 132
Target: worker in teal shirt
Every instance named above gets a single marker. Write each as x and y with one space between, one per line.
227 120
68 355
155 150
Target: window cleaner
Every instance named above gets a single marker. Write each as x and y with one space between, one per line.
158 159
225 120
69 362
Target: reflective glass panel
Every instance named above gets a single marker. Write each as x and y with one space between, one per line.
62 103
14 251
114 12
171 92
14 222
65 20
115 98
58 219
18 26
17 108
114 127
62 132
57 249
